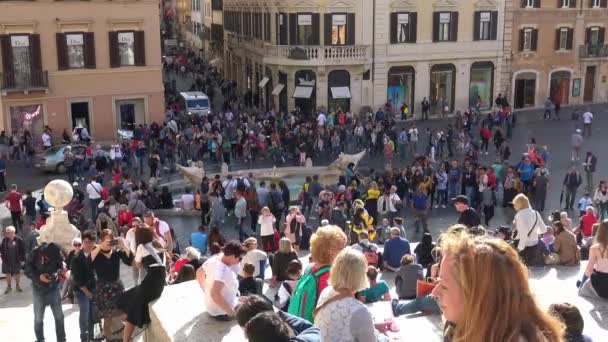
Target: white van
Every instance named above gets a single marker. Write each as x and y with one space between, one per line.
195 103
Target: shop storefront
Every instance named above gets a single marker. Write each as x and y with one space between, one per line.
560 87
30 118
400 88
304 91
481 86
338 91
443 81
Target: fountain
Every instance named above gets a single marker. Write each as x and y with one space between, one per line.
293 176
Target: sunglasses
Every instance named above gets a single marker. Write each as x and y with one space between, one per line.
77 244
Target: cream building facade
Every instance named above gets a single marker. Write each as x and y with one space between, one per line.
94 64
353 53
557 50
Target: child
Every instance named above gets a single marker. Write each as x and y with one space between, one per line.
294 272
378 290
398 222
583 203
250 285
571 317
384 231
548 239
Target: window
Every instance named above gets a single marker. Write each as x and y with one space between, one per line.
126 48
565 3
403 27
599 3
484 26
304 28
338 29
444 27
533 3
563 39
528 39
403 19
75 44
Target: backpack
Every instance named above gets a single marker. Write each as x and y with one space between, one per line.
240 184
304 298
370 255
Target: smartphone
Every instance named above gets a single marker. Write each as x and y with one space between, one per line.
114 242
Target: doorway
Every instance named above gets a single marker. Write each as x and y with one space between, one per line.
443 88
525 90
80 115
560 87
127 116
589 84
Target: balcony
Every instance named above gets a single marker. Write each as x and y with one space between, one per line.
316 55
593 51
24 82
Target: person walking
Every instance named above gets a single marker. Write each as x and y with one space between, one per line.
420 206
548 109
12 254
83 281
43 265
587 120
240 213
14 203
426 106
576 141
94 190
590 166
571 183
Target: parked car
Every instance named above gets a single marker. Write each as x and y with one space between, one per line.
51 160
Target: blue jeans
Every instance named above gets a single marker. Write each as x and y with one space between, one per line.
240 224
426 304
86 319
94 203
453 189
43 298
469 191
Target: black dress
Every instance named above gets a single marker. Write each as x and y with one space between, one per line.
134 302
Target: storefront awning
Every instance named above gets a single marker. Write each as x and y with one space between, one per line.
340 92
263 82
303 92
278 89
216 62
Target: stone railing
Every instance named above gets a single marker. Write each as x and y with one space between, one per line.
593 51
356 53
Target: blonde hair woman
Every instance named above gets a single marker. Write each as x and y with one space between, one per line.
339 315
484 270
597 268
528 225
325 244
254 256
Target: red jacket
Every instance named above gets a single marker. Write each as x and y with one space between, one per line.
125 218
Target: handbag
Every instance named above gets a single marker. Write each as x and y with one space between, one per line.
424 287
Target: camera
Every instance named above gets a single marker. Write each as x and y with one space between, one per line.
114 242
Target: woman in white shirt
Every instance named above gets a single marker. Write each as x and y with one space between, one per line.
339 315
267 221
254 256
529 226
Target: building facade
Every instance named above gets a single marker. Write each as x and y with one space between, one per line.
557 50
94 64
352 53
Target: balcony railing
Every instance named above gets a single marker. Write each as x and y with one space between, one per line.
320 53
18 81
593 51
